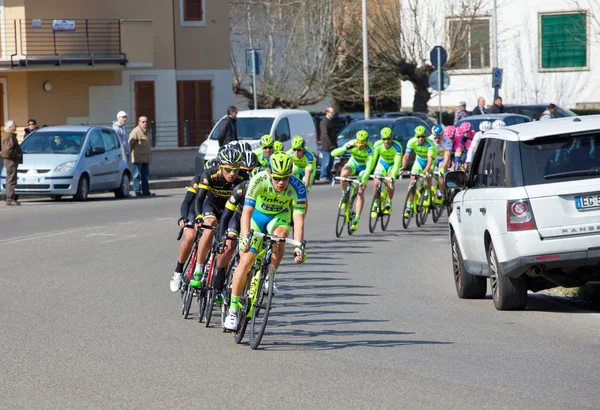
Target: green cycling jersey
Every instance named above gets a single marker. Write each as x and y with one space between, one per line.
264 161
387 157
422 151
261 195
306 161
360 155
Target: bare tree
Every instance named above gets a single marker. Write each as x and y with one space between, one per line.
300 46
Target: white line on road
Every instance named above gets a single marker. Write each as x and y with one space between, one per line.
122 238
45 235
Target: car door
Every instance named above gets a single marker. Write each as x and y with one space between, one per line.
470 215
113 158
96 161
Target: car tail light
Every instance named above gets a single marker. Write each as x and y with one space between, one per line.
519 215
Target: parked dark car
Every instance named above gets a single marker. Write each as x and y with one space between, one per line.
431 121
509 119
535 111
403 128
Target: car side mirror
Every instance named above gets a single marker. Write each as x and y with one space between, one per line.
455 179
98 150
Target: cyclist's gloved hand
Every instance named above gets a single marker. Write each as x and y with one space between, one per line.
198 220
349 145
182 221
300 257
244 245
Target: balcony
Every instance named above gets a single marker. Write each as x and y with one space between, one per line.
27 43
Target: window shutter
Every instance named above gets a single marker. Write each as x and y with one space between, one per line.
192 10
145 104
564 41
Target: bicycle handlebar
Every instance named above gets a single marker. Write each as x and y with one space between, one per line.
180 234
380 177
275 238
351 180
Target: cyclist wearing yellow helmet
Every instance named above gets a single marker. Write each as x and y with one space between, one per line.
387 159
305 161
265 151
272 198
424 153
361 151
277 146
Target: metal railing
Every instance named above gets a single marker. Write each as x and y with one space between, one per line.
89 41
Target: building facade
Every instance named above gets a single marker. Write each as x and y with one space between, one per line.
548 50
80 62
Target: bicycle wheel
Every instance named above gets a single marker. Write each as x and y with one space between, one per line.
262 307
188 270
375 208
201 303
227 294
341 217
423 209
188 296
243 312
417 206
350 209
407 205
385 221
210 304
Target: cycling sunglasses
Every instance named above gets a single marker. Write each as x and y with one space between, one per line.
268 147
231 170
422 136
387 139
280 178
299 149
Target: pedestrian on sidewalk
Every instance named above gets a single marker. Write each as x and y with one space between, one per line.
119 127
328 143
228 129
480 109
461 112
31 126
548 114
498 107
13 156
141 155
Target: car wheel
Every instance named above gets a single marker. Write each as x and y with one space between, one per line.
83 189
123 190
508 293
467 286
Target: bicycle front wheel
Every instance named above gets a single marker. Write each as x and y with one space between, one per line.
243 312
227 294
341 217
350 211
375 211
407 208
262 307
424 209
188 296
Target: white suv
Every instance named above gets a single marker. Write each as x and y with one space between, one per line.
528 213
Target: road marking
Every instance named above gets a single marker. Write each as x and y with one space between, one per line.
122 238
45 235
439 240
100 234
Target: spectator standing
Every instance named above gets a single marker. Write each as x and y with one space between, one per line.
31 126
548 114
480 109
119 127
141 155
461 112
328 143
13 156
228 129
498 107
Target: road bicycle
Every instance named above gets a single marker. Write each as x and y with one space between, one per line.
235 261
378 204
255 302
346 211
438 203
413 208
188 293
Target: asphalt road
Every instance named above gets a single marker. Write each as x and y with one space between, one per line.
372 320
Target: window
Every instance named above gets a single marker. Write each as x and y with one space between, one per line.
470 43
192 12
282 133
109 142
95 141
494 161
563 41
477 168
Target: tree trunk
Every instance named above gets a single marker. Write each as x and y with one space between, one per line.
422 94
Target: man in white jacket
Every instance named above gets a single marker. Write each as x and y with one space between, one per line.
119 127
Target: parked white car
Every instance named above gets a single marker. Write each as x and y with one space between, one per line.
281 124
528 216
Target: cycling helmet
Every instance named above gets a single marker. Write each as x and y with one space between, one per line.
449 131
466 126
484 126
230 156
362 136
257 170
386 133
266 141
458 132
277 146
280 164
249 159
498 124
420 131
437 130
298 143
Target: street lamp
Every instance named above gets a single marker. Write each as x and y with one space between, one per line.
365 60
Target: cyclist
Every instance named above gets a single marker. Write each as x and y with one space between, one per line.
424 152
304 160
361 151
483 127
277 147
214 189
443 147
462 141
249 162
272 198
265 151
387 159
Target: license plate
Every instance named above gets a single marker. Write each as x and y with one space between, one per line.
32 180
587 202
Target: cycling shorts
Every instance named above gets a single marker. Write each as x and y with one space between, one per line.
300 173
266 223
418 166
233 229
211 210
355 167
383 168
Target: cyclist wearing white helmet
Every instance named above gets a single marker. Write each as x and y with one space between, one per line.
498 124
483 127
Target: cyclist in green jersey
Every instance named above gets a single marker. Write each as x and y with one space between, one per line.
424 154
272 198
277 147
361 151
305 162
265 151
387 161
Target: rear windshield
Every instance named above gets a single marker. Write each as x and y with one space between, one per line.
53 142
561 158
248 128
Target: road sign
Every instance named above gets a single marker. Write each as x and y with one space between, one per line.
257 60
496 78
433 56
433 80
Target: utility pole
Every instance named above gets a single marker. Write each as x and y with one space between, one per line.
495 22
366 60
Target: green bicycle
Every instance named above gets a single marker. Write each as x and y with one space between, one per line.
417 190
346 212
438 203
378 205
255 303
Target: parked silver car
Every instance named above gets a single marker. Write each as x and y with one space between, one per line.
72 160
